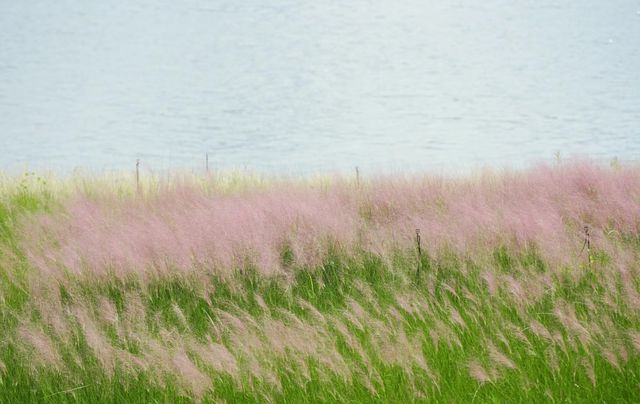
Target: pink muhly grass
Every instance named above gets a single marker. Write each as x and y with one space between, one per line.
504 340
478 372
540 330
457 318
108 311
515 288
358 311
285 338
622 353
394 314
216 356
611 357
102 350
180 316
566 315
442 332
298 341
53 314
517 332
634 336
192 377
181 227
356 315
535 287
632 297
492 284
130 363
500 358
177 230
552 359
588 368
317 316
43 352
261 303
351 341
415 305
232 321
435 338
135 315
395 347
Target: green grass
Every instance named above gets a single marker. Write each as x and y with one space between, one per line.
194 308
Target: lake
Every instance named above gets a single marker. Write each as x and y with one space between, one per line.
297 87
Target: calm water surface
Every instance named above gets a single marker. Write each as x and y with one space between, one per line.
288 86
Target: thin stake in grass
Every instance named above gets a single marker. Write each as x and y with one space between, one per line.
587 238
138 175
206 162
586 244
419 247
357 177
587 241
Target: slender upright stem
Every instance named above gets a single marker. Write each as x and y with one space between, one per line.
138 175
587 238
419 252
587 241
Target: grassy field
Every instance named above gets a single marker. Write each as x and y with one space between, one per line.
238 288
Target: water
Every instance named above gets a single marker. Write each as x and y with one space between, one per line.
286 86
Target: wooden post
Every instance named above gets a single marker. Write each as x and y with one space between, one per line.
206 162
357 177
587 238
587 241
419 253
